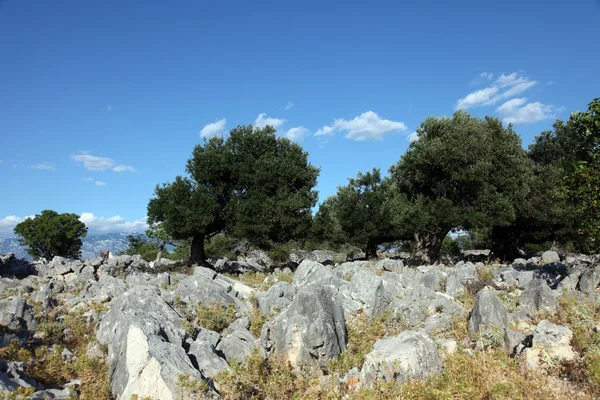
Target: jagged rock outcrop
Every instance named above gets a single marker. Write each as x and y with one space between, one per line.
145 346
310 331
488 311
538 297
16 314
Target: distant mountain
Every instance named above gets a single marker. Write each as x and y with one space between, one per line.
115 242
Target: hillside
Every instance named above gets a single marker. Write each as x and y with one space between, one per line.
124 329
115 242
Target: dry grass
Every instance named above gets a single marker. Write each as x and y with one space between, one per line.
267 379
581 317
215 317
44 361
488 375
362 335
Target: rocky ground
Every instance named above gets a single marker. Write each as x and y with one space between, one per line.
317 328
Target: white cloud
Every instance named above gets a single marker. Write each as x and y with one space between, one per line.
8 223
94 163
88 179
112 224
297 134
109 108
262 120
100 183
486 75
123 168
217 128
518 111
367 126
413 136
43 165
478 97
504 87
289 106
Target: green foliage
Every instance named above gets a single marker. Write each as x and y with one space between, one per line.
462 172
326 229
51 234
254 185
146 248
280 253
360 211
221 246
584 180
453 246
544 216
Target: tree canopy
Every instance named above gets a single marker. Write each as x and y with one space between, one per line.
253 185
361 212
463 172
52 234
584 180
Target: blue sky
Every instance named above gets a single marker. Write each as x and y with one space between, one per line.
102 100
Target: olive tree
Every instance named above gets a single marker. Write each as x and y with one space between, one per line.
462 172
253 185
52 234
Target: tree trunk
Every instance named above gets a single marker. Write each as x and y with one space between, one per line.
429 244
371 250
160 250
197 255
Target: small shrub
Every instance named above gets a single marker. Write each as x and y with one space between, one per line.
257 321
581 317
362 336
490 337
189 388
285 276
279 254
216 316
485 275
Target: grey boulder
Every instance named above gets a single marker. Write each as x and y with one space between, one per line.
488 311
277 298
145 352
310 331
589 280
538 297
16 314
204 356
237 346
407 356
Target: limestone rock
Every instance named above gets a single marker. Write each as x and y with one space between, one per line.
204 357
400 358
538 297
488 310
310 331
144 339
551 343
237 346
16 314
